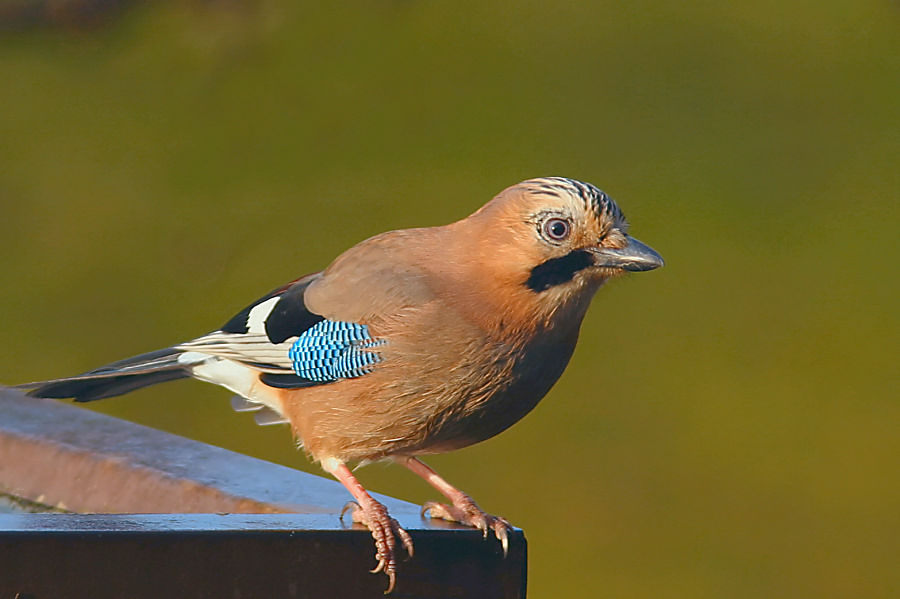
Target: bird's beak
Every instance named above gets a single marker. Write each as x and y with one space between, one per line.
634 257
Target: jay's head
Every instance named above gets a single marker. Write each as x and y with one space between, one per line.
557 237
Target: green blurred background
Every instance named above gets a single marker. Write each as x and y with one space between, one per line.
728 426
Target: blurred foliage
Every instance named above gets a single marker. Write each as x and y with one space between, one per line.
729 424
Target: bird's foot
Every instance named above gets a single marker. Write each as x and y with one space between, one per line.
465 511
385 531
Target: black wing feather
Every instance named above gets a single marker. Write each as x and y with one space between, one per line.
289 381
289 318
114 379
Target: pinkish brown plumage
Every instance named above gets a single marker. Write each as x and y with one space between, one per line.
412 342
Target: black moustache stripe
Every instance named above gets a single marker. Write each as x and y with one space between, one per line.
557 271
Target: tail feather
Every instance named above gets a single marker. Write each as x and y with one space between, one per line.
114 379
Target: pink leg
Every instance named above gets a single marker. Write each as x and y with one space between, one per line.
366 510
463 509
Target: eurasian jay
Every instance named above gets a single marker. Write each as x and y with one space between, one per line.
410 343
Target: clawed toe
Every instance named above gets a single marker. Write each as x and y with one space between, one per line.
467 512
385 531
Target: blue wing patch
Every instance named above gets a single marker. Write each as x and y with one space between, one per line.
332 350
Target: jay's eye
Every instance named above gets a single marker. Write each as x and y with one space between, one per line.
556 229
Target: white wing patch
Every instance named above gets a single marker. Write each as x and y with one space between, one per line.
256 320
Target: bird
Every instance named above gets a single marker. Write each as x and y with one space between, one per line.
410 343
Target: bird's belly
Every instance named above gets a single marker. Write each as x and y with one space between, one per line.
425 403
487 410
475 400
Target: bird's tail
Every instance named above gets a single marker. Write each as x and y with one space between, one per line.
114 379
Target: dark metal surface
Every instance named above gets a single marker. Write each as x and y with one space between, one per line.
245 556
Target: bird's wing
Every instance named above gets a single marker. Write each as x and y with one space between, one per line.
288 340
261 335
327 326
289 344
379 279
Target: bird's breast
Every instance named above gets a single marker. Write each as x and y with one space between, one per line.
467 384
443 382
